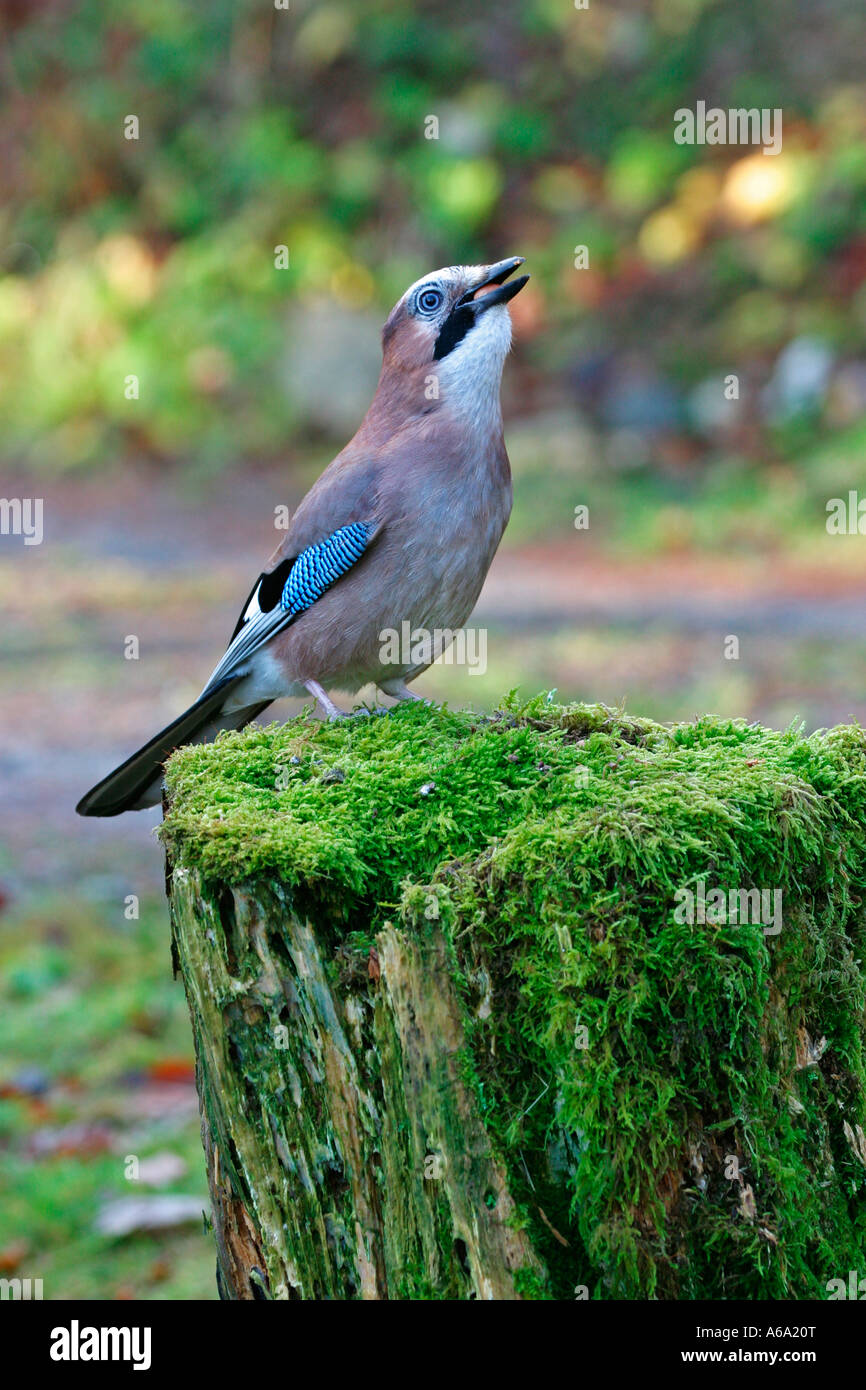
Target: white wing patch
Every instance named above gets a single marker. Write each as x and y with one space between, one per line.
253 610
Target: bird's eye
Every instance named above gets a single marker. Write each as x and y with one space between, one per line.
429 301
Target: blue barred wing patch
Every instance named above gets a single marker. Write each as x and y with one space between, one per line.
320 566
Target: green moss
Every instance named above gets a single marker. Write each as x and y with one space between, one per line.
700 1138
320 804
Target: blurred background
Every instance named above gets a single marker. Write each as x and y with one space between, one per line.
155 257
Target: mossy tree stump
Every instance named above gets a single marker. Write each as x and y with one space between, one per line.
460 1034
346 1154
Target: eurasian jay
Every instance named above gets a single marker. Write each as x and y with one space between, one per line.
401 527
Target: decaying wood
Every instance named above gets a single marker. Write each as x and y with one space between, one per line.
346 1156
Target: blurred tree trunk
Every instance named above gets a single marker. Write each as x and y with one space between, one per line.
346 1156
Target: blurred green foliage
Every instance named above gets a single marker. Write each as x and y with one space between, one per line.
306 127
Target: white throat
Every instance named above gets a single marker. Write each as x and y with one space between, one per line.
471 374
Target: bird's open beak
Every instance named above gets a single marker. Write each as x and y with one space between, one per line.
493 289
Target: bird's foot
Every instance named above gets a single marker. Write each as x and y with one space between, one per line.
325 703
400 691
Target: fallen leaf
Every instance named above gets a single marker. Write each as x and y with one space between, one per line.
127 1215
172 1069
70 1140
12 1255
158 1170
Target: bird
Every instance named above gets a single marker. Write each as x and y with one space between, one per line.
401 527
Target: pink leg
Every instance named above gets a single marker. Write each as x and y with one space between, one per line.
400 690
326 703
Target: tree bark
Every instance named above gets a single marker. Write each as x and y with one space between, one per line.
346 1154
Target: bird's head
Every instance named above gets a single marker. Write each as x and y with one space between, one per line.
454 322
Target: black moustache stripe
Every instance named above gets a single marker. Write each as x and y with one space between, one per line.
453 331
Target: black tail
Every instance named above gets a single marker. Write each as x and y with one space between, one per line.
137 783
